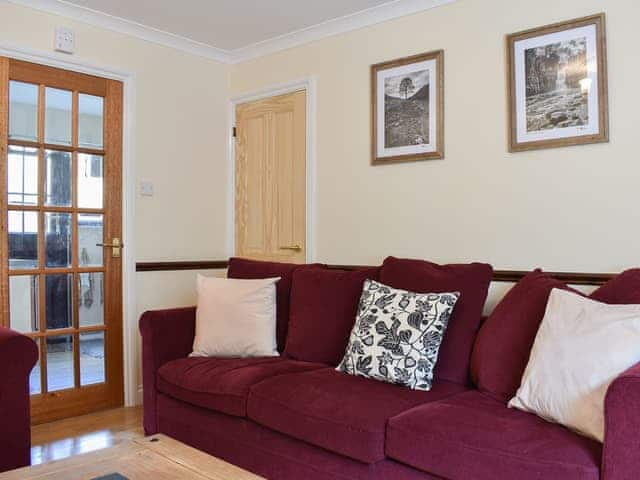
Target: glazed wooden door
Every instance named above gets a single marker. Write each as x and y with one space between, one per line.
271 178
60 204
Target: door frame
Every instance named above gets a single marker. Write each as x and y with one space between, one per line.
308 85
132 391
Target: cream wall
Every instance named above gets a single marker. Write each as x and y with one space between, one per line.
573 209
564 209
180 137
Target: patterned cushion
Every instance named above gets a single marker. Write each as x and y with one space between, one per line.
397 335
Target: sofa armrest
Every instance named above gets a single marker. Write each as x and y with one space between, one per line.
166 335
621 452
18 355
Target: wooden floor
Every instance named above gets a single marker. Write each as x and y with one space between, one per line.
72 436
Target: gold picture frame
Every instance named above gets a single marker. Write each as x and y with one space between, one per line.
407 109
557 85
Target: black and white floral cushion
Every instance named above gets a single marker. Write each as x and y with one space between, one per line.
397 335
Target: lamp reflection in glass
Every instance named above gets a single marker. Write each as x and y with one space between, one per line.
585 85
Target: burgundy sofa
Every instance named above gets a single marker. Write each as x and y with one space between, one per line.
295 416
18 355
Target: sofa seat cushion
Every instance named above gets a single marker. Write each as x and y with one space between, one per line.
336 411
475 436
222 384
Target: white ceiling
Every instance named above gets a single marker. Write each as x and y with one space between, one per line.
232 30
229 24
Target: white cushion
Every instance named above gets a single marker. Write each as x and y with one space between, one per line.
235 318
580 348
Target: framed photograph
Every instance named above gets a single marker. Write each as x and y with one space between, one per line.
407 105
558 85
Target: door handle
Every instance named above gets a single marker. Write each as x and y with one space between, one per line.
295 248
115 247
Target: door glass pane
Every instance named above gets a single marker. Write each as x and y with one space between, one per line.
23 240
23 175
57 181
34 376
91 299
23 303
91 358
57 239
23 111
57 122
59 362
90 121
90 180
89 234
58 298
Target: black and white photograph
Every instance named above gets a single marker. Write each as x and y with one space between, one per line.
407 109
557 82
558 85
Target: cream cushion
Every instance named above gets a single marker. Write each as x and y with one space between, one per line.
580 348
235 318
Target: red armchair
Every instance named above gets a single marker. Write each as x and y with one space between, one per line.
18 355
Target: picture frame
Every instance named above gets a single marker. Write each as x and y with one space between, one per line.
557 85
407 109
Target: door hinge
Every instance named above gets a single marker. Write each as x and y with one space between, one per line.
234 132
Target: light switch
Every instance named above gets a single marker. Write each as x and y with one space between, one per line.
146 189
64 40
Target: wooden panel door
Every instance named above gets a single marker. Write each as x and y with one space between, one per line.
60 203
270 172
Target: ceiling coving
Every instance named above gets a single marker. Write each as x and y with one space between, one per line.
231 30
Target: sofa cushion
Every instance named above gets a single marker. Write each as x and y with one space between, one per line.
323 310
502 348
254 269
503 344
621 289
221 383
471 280
335 411
474 436
265 452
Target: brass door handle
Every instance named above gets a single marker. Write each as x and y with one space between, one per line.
295 248
115 247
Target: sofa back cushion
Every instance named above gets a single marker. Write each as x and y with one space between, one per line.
471 280
253 269
323 310
503 344
621 289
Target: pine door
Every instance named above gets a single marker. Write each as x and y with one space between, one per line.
271 178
